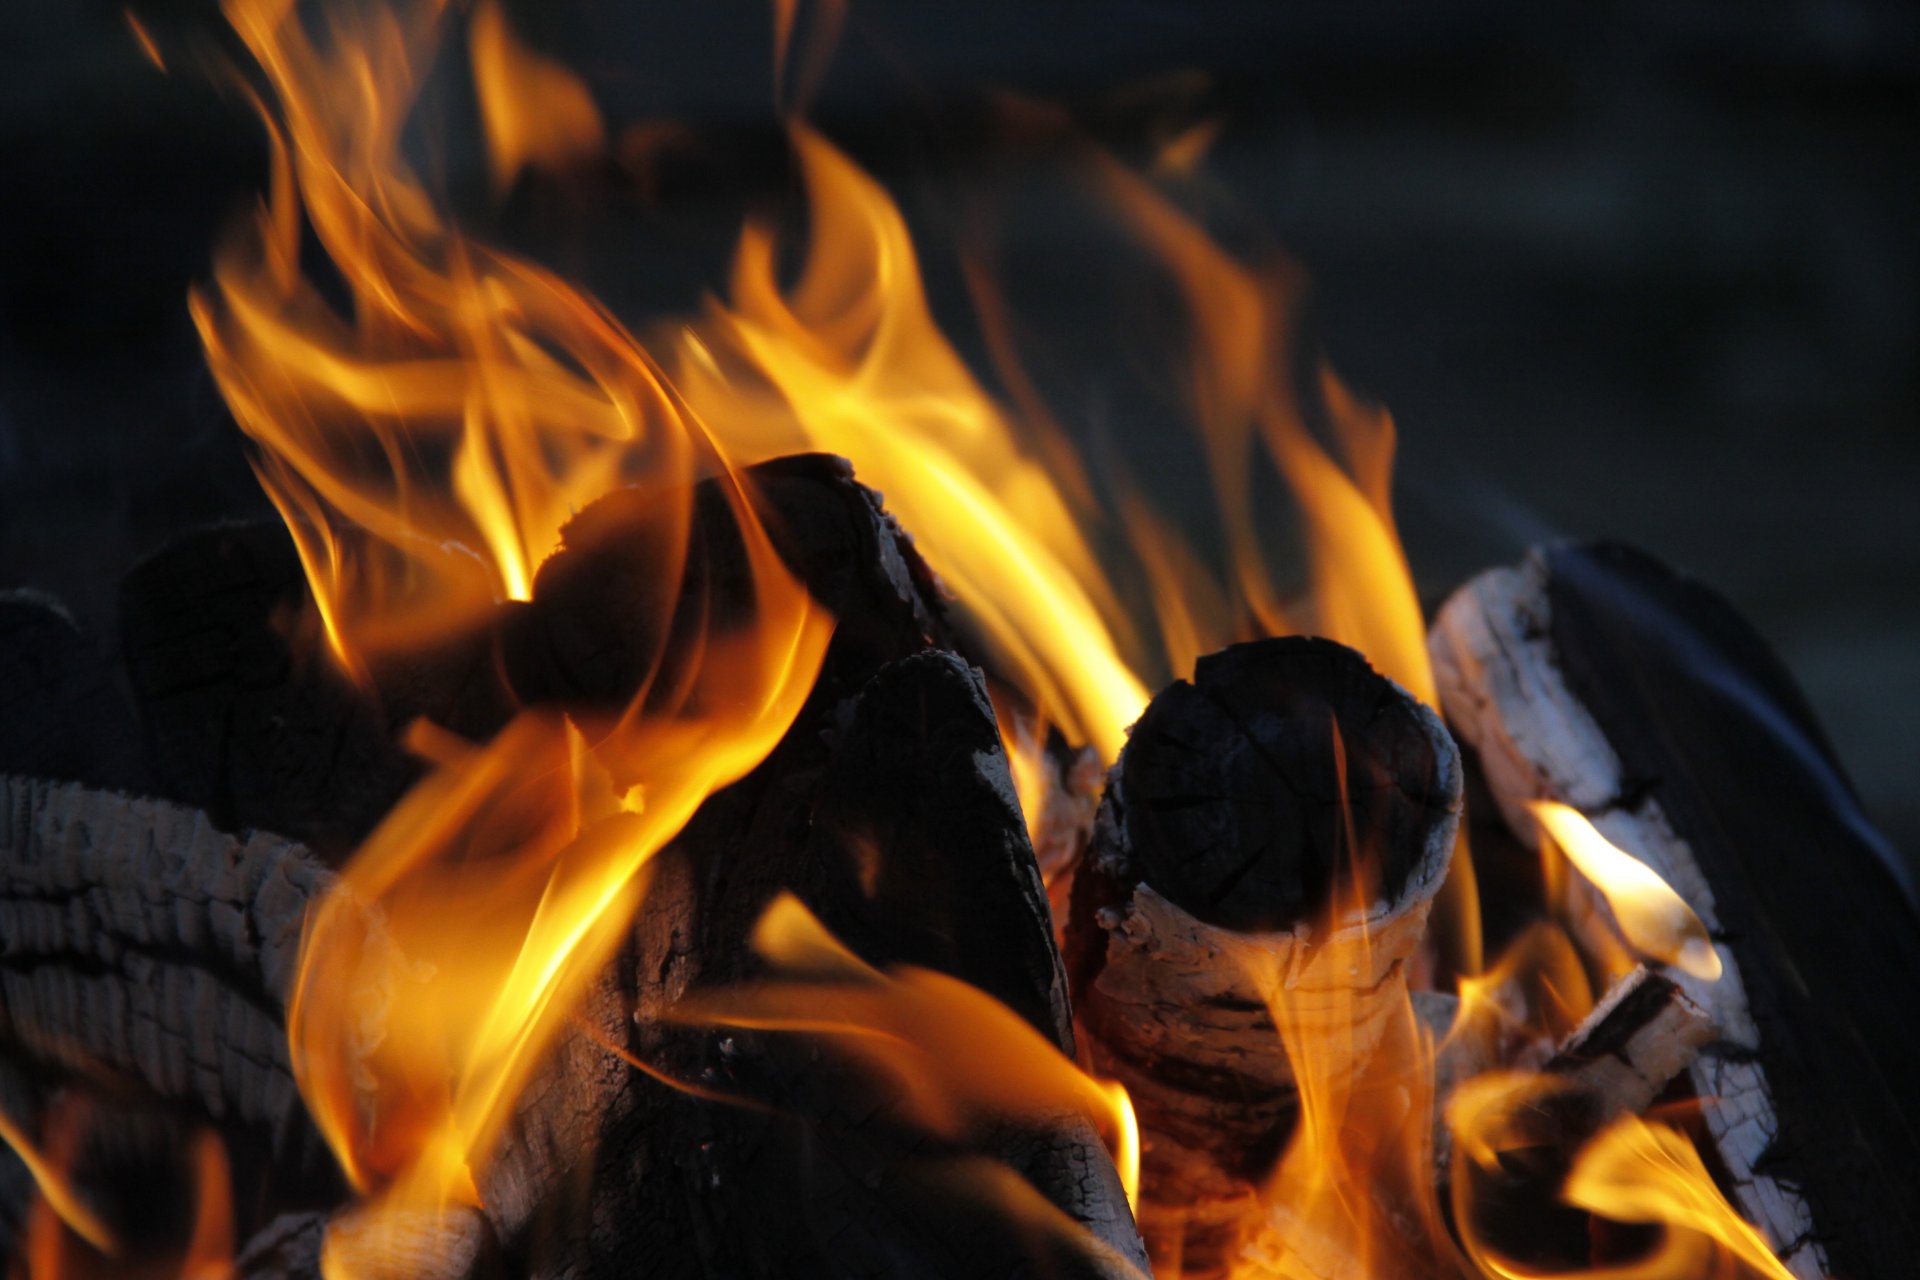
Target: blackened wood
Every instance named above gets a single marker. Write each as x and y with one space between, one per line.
144 952
1820 909
610 614
889 810
244 714
893 819
62 714
1240 809
1237 794
1597 676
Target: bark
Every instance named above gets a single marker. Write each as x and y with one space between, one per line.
1241 807
1636 1041
1596 676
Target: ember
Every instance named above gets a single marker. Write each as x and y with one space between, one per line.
742 799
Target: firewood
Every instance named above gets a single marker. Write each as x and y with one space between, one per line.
888 808
1635 1041
243 718
1243 806
604 613
898 827
1596 676
143 950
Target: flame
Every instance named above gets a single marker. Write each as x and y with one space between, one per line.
144 38
1353 1192
1631 1171
1640 1171
1655 920
957 1056
425 447
1537 990
536 112
857 366
53 1189
426 444
209 1253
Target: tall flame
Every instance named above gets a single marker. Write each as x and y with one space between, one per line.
859 367
425 445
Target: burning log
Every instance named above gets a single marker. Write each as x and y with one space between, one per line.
1637 1040
1596 676
1236 824
241 718
888 809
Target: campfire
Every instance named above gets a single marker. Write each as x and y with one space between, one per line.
751 796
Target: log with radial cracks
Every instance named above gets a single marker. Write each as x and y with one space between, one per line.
1598 677
1246 807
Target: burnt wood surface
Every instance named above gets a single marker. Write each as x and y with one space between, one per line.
1221 868
243 713
893 819
1240 808
888 808
147 955
1597 675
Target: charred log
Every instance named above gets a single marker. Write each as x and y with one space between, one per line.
1596 676
887 808
146 954
898 827
243 718
606 612
1244 808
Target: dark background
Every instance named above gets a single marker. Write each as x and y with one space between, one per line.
1639 269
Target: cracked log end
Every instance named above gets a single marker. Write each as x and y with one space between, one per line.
1209 887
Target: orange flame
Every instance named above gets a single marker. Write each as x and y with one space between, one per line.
857 366
426 445
55 1191
957 1055
1353 1192
535 111
425 448
1655 920
1632 1170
